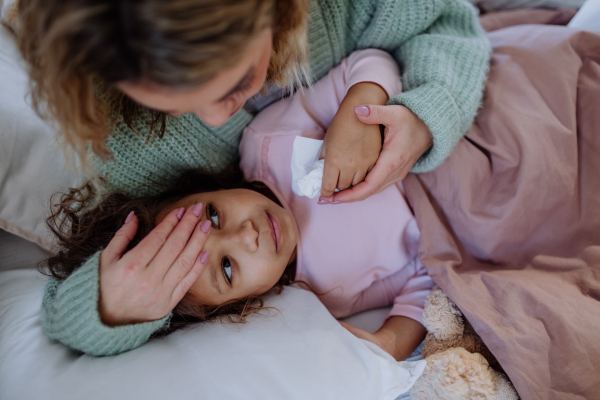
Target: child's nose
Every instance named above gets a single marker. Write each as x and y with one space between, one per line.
248 236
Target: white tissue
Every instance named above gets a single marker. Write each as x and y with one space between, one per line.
307 169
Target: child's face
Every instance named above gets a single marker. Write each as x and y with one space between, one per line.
251 242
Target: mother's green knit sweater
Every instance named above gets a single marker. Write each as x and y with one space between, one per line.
443 54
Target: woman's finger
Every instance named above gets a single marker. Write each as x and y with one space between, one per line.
381 115
186 283
149 246
330 179
192 252
118 244
176 242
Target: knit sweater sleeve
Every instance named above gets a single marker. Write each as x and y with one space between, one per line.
444 56
140 164
70 315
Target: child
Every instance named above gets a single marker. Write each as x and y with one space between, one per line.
355 256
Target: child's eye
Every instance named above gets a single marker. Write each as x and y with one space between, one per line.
226 265
213 215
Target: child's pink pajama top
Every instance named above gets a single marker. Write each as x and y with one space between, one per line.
359 255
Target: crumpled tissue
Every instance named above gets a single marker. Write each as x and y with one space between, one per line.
307 169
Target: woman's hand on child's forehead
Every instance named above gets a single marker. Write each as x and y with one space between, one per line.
250 245
148 281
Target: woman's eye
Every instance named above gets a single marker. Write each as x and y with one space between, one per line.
213 215
226 265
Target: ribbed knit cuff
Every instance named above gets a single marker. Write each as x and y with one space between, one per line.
433 104
70 315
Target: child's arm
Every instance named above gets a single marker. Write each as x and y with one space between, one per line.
399 336
444 55
403 331
349 160
351 147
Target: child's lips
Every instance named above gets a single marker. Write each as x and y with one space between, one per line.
275 231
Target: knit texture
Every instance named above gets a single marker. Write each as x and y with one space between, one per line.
140 165
443 54
70 314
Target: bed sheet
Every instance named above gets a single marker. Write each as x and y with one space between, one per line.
510 222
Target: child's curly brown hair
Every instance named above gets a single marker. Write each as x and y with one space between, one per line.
85 222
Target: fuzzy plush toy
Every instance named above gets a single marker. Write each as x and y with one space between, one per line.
459 365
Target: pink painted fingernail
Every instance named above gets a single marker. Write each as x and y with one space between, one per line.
323 202
180 213
205 226
197 209
337 202
129 217
362 110
204 257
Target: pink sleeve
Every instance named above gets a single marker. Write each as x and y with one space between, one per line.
375 66
411 299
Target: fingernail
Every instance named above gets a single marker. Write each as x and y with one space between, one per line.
180 213
323 202
129 217
205 226
362 110
337 202
197 209
204 257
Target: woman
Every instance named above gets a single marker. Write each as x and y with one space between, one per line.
95 66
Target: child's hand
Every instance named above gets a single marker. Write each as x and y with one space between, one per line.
351 148
406 139
399 336
147 282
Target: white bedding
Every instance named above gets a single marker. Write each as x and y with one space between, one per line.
300 352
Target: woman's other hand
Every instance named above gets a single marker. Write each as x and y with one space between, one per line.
406 139
147 282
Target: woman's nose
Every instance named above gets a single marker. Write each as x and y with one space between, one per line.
248 236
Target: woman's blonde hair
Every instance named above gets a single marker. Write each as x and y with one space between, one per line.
77 50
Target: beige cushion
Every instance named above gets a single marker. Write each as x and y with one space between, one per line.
31 169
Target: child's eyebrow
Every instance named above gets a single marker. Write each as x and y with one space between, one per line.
213 279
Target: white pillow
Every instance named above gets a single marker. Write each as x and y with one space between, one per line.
588 17
300 352
31 170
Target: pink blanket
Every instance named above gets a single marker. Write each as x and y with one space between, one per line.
511 221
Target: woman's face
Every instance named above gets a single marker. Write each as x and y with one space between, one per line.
251 242
216 100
